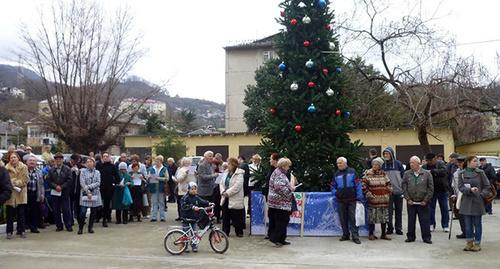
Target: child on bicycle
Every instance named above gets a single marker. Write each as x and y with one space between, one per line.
190 210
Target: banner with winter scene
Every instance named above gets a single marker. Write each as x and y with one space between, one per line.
316 216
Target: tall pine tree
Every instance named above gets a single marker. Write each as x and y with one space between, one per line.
308 112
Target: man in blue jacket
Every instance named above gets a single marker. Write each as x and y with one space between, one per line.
346 188
395 170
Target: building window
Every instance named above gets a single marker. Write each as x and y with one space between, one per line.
34 132
268 55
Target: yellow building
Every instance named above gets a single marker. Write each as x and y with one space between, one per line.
404 141
490 147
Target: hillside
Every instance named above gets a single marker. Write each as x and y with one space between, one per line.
207 112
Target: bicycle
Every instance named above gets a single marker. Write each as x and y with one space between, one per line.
177 240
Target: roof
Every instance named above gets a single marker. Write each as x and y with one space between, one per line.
10 128
266 42
481 141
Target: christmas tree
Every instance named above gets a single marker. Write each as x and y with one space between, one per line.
308 112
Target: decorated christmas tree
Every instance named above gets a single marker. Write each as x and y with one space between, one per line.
308 113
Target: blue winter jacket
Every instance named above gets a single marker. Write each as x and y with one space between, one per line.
158 187
395 170
346 187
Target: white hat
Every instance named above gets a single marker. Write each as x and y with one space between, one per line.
122 166
191 185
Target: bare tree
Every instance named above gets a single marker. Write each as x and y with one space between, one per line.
82 55
418 63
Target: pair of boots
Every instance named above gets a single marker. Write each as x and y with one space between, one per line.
81 222
471 246
121 214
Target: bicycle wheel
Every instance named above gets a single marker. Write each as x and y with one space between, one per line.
176 242
218 241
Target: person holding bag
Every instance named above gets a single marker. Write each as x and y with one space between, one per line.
418 187
279 201
90 181
457 196
346 188
475 186
18 201
122 199
232 195
157 186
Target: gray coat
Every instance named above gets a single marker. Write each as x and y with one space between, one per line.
40 189
418 189
473 203
90 180
206 178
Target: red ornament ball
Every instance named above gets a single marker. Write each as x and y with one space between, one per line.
273 110
325 71
298 128
307 43
311 84
328 27
338 112
282 13
293 22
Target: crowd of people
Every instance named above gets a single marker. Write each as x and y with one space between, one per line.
64 192
61 192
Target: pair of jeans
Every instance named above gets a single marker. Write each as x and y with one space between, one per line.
62 205
82 216
473 228
280 219
158 205
347 214
33 212
106 196
489 208
423 218
19 213
395 204
442 199
232 216
179 206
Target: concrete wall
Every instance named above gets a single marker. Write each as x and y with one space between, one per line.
489 148
383 138
240 72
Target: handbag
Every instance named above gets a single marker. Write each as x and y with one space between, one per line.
360 214
127 197
145 201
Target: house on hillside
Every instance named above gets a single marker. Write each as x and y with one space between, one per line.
150 106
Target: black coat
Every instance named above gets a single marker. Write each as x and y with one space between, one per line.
64 179
109 176
5 185
490 173
187 203
172 169
439 176
246 178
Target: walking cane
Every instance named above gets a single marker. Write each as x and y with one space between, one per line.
451 218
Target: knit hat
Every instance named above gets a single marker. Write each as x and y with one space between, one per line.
192 185
122 166
378 160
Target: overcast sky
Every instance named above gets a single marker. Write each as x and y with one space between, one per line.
185 39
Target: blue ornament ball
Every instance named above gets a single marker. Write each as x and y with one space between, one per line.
338 70
311 109
347 114
282 67
322 3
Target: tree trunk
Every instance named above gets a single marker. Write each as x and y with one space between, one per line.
423 139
